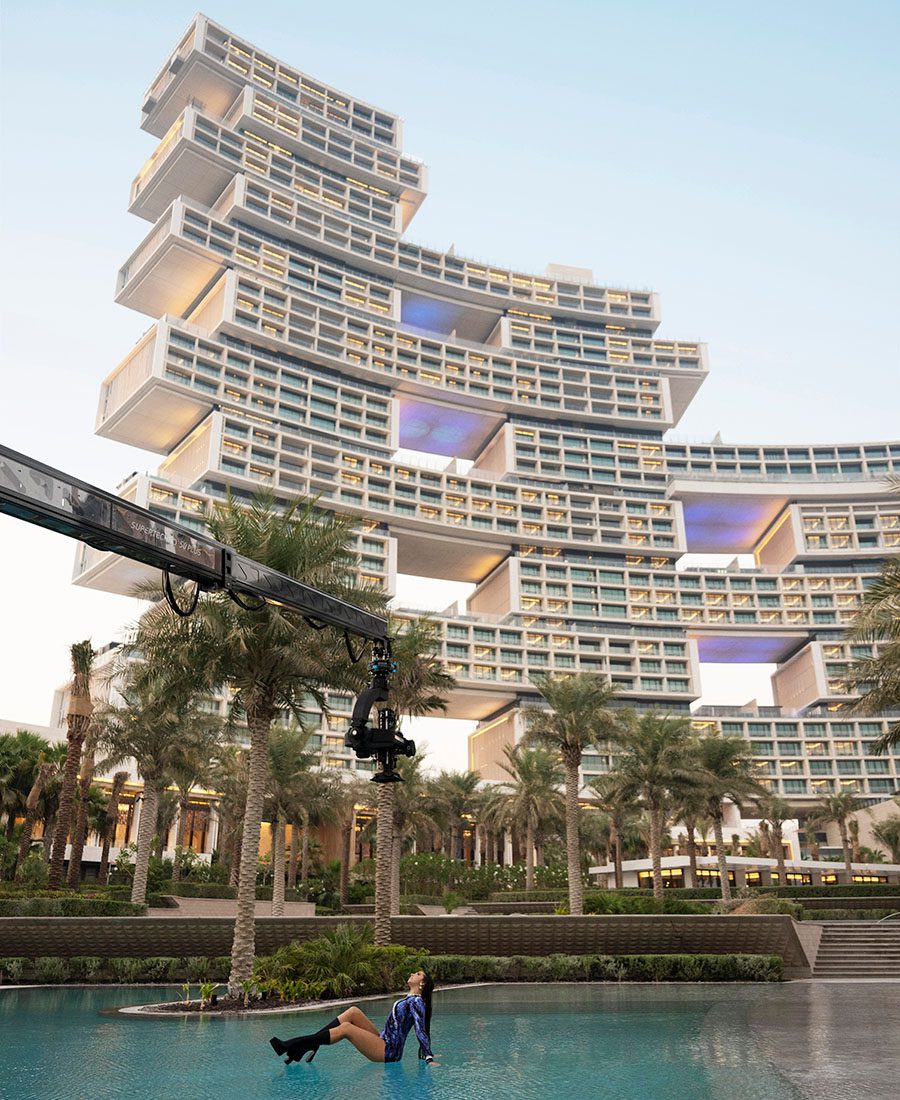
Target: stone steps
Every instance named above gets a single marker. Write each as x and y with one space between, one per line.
863 950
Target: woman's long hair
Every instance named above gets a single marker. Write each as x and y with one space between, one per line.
427 989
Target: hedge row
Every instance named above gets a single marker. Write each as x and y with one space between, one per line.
445 968
712 893
69 906
848 914
220 890
91 968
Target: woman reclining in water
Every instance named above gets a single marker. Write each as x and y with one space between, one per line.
411 1011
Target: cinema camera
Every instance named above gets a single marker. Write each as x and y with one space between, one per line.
384 741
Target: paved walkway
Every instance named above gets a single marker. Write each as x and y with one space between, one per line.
227 907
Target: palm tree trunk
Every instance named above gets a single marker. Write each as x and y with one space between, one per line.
146 831
234 872
243 948
346 844
31 804
616 844
295 855
690 829
182 831
383 834
778 845
529 854
49 830
656 828
77 729
845 844
79 836
454 841
279 826
720 857
112 817
396 853
573 854
304 851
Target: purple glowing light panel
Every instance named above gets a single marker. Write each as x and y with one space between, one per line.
728 525
443 429
746 650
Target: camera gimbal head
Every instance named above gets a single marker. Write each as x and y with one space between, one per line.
384 741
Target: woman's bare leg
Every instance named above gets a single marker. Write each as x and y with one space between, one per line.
355 1015
372 1046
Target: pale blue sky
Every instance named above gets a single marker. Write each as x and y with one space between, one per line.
740 160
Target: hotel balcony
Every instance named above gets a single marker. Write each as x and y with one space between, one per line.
211 65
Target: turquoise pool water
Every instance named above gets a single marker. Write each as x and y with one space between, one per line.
496 1043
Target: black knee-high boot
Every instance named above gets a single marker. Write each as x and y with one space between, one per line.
303 1044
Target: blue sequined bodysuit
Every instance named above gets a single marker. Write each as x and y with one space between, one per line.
407 1013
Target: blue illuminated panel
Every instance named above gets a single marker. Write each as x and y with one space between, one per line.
443 429
746 650
728 525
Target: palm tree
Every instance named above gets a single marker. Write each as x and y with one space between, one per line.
109 828
289 764
48 764
620 814
887 832
853 833
420 686
409 816
838 808
773 812
271 658
579 716
20 755
78 721
158 718
727 771
79 834
689 807
654 764
192 763
456 794
531 798
347 795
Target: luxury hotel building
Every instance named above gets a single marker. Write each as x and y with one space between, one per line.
299 342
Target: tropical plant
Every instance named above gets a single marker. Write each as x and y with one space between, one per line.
192 765
838 808
419 686
531 799
109 826
80 831
773 812
653 765
289 764
271 658
620 813
577 715
156 719
409 815
887 832
78 720
726 772
48 764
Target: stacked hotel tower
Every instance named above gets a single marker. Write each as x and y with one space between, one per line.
299 342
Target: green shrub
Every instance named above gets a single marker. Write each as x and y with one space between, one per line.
68 905
51 970
199 968
846 914
127 971
769 905
618 903
621 968
11 969
35 872
87 968
850 890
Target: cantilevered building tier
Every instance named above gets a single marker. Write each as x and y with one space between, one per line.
301 343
